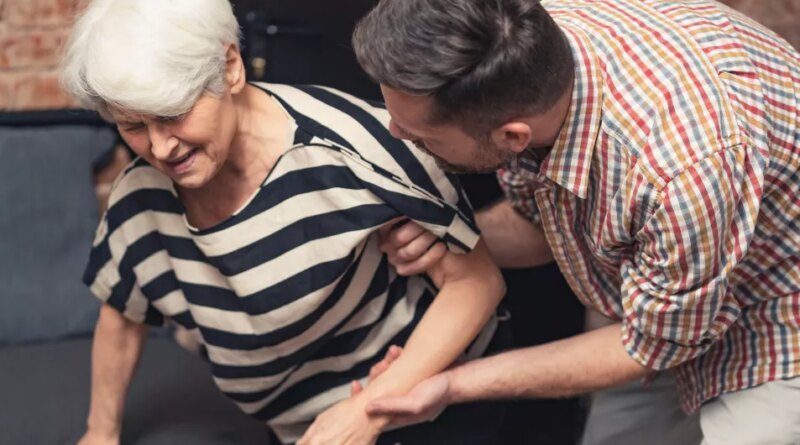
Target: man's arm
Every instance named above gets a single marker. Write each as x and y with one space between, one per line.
584 363
513 240
118 343
576 365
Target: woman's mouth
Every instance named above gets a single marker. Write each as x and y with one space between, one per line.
183 164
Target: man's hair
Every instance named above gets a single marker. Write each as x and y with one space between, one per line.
482 61
153 57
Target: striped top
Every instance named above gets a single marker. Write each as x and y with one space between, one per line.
291 296
671 198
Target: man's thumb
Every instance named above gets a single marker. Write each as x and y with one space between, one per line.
394 406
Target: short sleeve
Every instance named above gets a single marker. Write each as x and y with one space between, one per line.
675 289
425 194
520 193
113 283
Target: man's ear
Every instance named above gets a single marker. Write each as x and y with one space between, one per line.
235 76
515 136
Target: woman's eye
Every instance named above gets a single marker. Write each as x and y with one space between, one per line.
132 128
170 119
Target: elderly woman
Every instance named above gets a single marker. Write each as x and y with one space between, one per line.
252 218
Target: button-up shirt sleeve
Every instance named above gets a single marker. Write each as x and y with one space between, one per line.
519 190
675 288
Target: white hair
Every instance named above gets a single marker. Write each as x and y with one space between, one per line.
150 57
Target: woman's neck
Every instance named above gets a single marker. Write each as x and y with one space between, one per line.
262 136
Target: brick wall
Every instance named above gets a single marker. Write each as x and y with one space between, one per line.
782 16
32 32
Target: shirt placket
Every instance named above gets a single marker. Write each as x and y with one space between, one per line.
555 225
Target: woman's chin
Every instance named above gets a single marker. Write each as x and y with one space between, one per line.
192 181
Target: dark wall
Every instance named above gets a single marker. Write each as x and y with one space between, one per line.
304 41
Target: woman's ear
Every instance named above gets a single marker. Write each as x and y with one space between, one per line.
235 76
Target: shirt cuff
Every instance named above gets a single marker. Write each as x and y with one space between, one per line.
656 353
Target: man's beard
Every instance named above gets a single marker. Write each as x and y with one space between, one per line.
488 158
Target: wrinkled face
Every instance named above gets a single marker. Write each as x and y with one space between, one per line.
190 149
453 149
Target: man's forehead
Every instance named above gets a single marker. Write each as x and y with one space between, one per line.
409 112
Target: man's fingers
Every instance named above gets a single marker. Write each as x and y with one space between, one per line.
424 263
395 406
394 352
390 225
404 421
391 355
406 233
378 369
355 388
417 247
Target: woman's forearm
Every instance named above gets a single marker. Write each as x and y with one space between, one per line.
471 287
117 346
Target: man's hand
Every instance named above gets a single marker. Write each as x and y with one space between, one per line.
95 438
377 369
411 249
426 401
321 430
513 241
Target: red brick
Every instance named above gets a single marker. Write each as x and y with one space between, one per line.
6 92
789 32
37 91
781 11
746 6
39 13
31 49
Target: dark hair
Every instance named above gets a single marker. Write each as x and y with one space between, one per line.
482 61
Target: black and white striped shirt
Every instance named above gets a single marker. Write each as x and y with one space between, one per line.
291 296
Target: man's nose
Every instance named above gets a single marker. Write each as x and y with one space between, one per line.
394 131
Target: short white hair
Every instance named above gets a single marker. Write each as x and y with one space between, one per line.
149 57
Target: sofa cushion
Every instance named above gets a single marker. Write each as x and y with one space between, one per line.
48 214
172 399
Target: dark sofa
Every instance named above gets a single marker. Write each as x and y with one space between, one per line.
48 214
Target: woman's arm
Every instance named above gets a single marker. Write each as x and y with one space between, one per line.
118 344
470 286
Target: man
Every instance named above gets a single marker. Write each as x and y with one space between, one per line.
654 147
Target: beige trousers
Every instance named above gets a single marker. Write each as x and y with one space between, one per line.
635 414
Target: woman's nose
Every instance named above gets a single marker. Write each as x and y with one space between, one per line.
162 142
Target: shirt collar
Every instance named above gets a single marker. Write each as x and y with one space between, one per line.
569 160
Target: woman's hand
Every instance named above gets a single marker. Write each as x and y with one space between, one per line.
424 403
345 423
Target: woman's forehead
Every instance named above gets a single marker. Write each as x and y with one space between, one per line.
122 115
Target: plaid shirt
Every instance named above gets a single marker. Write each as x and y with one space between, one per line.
671 198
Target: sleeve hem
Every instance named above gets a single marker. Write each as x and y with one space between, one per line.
656 354
460 237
